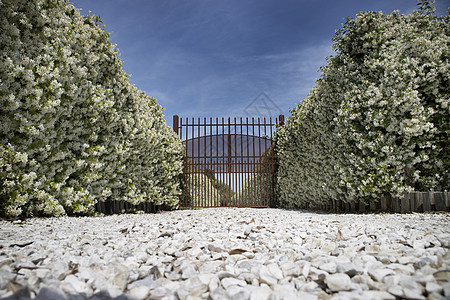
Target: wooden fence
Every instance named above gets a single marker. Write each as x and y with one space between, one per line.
411 202
117 207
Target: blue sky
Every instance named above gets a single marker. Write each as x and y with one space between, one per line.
229 58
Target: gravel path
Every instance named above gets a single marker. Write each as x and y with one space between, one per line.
227 253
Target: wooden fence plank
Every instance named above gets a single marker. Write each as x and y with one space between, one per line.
426 201
432 202
362 207
373 205
384 202
412 199
406 207
447 200
418 202
439 199
396 205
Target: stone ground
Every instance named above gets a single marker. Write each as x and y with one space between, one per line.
227 253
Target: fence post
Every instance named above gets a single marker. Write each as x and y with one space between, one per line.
175 124
281 119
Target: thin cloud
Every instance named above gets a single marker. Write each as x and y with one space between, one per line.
286 78
212 58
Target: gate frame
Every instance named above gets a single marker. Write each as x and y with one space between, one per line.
256 163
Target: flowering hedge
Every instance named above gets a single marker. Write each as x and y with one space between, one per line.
377 122
73 130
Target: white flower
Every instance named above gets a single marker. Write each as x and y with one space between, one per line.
63 118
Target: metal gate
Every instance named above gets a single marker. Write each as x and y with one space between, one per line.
228 162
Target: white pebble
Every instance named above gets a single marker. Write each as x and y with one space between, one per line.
338 282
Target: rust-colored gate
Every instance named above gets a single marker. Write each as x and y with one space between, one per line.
228 162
